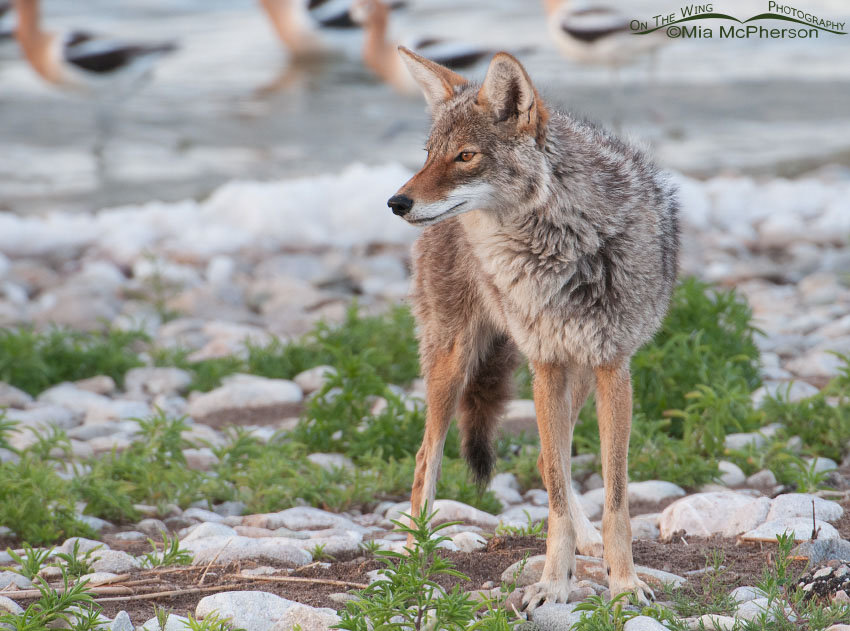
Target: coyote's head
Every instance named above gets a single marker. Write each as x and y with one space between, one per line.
485 146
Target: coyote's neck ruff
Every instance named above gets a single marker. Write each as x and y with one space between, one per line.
543 233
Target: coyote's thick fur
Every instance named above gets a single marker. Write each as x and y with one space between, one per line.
548 236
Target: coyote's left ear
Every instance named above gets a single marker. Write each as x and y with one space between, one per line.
508 93
437 82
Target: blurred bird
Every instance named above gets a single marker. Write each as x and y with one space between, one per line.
595 34
381 55
299 24
7 30
105 69
81 61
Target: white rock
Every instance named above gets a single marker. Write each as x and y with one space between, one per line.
730 473
822 464
653 491
83 545
743 440
173 623
306 618
152 527
45 415
556 616
314 379
331 462
254 610
237 548
763 478
202 514
519 409
645 526
715 622
12 397
154 381
121 622
816 364
520 516
800 505
114 561
13 578
245 391
332 544
506 489
800 528
469 541
704 514
301 518
208 529
755 608
130 535
538 497
643 623
200 459
745 592
793 391
450 510
99 578
7 604
99 384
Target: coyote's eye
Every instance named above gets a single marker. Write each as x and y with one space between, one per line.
465 156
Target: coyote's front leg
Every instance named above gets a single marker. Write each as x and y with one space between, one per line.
614 411
553 422
444 381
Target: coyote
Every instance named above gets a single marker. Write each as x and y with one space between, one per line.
547 236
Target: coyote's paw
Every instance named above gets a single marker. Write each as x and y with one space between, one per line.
589 541
545 592
633 585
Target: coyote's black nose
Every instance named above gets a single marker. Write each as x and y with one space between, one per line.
401 204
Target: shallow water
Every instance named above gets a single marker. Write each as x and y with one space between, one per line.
228 105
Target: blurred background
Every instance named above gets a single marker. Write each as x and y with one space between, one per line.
230 103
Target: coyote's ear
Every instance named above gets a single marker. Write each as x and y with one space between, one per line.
507 92
437 82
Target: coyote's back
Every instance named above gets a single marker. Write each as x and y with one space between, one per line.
546 235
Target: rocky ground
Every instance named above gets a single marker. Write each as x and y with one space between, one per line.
251 272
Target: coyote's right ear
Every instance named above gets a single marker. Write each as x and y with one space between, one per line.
508 93
437 82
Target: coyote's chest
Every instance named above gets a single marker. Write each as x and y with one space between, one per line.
536 296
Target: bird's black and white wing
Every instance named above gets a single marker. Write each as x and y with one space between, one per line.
104 56
593 23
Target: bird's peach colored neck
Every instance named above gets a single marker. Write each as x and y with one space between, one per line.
378 54
552 5
35 43
286 23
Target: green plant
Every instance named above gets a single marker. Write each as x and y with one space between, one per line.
36 503
30 562
531 529
601 615
34 361
318 553
211 622
821 423
162 614
171 554
370 547
408 596
72 606
805 477
151 471
708 594
7 428
77 564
